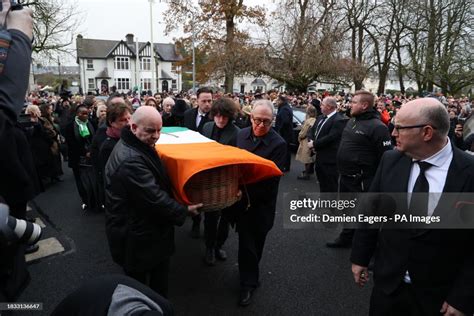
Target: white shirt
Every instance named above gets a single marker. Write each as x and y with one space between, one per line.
327 118
436 175
199 117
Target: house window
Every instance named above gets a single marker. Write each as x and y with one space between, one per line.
146 84
122 63
90 64
145 63
122 83
91 84
174 68
174 85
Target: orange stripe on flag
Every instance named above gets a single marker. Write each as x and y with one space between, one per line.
182 161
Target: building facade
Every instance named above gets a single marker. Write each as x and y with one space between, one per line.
127 65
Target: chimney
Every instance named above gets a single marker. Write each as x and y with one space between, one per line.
129 38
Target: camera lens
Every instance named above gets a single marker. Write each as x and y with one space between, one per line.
26 232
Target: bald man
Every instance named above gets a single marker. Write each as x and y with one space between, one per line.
422 271
140 211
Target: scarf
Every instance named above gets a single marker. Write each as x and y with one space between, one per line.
83 129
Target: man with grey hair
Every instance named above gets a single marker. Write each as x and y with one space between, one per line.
256 210
420 271
324 138
140 210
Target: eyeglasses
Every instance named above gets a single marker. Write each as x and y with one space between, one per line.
400 127
260 121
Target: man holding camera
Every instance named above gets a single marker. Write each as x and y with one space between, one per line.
16 164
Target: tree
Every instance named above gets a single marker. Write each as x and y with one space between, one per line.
301 46
439 44
54 25
214 23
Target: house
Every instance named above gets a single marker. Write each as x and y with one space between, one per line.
106 63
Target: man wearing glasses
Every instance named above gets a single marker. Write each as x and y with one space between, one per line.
420 271
257 213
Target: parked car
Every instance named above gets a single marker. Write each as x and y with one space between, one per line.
299 117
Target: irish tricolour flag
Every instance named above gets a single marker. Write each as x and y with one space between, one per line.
185 153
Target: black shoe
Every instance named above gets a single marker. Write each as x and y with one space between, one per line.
210 258
245 297
195 232
31 249
339 243
303 176
221 254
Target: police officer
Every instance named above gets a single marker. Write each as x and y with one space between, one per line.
364 139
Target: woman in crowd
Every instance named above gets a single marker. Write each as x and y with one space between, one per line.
53 169
151 101
304 153
168 104
79 135
222 130
177 114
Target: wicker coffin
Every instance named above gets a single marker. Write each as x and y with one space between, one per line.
216 188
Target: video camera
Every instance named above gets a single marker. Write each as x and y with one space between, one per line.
13 229
14 5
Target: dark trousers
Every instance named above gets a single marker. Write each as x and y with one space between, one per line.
406 301
196 220
327 176
251 243
216 229
79 184
156 279
287 165
347 185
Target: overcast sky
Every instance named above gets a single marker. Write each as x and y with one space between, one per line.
113 19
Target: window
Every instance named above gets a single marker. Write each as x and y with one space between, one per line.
174 85
122 83
174 68
91 84
90 64
146 84
122 63
145 63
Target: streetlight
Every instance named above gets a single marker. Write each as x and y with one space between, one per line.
153 67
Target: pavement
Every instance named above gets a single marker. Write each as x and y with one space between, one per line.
299 275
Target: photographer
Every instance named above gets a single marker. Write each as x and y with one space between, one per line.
16 165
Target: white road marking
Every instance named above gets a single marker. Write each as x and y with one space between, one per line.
47 247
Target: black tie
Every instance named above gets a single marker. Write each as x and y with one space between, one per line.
201 122
419 202
318 127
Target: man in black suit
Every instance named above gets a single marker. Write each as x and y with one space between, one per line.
429 271
194 119
324 138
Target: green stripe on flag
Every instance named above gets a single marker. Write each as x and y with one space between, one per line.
173 129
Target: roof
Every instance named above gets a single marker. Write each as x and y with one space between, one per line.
258 82
101 49
165 75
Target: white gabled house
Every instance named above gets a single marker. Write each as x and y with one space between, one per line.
107 63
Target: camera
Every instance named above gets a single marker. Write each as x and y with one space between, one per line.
462 120
14 5
14 229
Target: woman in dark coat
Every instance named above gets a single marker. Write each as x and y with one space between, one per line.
222 130
53 169
79 134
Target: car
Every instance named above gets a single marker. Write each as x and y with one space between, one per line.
299 117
